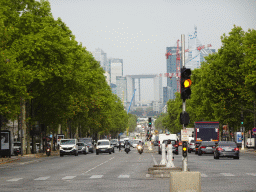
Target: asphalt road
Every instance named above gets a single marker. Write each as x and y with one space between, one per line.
123 172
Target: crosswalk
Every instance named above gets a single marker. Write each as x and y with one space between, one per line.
71 177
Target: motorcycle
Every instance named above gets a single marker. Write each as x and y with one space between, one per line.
127 150
48 151
140 149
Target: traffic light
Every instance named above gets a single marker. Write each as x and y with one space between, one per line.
149 122
184 118
184 149
185 83
242 120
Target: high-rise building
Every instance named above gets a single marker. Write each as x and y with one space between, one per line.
100 56
158 89
116 69
121 89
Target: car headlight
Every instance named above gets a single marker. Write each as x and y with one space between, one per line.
97 147
60 148
74 147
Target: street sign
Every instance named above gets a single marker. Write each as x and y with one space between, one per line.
254 130
184 135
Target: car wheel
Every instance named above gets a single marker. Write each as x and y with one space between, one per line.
159 152
236 157
61 155
189 151
109 152
76 154
113 150
216 157
199 153
196 152
97 153
85 153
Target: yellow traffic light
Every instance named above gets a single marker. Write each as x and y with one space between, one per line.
187 83
184 149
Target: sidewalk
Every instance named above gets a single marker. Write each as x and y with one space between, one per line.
246 150
17 158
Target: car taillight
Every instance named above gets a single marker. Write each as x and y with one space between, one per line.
202 147
190 144
175 145
236 149
219 149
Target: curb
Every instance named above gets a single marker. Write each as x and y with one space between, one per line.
8 160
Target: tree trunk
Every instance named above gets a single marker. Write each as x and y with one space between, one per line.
23 125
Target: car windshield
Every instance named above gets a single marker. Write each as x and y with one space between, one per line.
17 144
67 142
85 140
103 143
80 144
192 141
227 144
166 141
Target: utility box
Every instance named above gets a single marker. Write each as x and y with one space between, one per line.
238 138
6 143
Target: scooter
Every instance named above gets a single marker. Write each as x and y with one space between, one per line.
48 151
127 150
140 149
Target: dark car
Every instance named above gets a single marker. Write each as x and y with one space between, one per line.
226 149
206 147
90 146
174 146
197 143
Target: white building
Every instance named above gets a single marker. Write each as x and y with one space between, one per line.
100 56
116 69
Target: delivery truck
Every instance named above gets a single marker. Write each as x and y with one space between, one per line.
206 131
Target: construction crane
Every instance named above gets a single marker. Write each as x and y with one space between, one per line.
177 74
131 101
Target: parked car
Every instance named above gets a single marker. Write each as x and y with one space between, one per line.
226 149
17 148
103 146
197 143
82 148
68 147
206 147
191 146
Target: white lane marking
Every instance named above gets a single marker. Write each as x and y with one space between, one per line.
227 174
253 174
98 166
203 175
154 159
68 177
96 176
15 179
123 176
42 178
147 175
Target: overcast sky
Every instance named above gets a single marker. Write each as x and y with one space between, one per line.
138 31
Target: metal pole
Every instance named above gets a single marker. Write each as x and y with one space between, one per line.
254 127
184 159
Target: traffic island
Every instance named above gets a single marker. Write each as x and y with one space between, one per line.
185 181
163 172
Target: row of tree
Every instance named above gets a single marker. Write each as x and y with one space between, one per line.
223 89
47 73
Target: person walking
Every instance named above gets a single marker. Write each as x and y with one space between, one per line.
120 146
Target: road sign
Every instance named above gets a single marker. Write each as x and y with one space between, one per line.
184 135
254 130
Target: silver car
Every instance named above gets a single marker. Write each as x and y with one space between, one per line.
191 146
82 148
206 147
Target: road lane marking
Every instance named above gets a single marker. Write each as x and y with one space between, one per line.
96 176
42 178
68 177
123 176
227 174
253 174
154 159
15 179
98 166
203 175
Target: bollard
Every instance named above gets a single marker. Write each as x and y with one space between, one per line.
170 155
163 161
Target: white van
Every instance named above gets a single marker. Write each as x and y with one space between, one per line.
163 137
68 147
250 142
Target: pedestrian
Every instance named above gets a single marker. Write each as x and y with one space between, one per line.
120 146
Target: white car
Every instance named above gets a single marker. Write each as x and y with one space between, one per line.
82 148
103 146
68 147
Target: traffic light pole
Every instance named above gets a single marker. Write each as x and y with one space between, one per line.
184 159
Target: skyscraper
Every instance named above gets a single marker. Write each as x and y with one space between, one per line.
100 56
116 69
